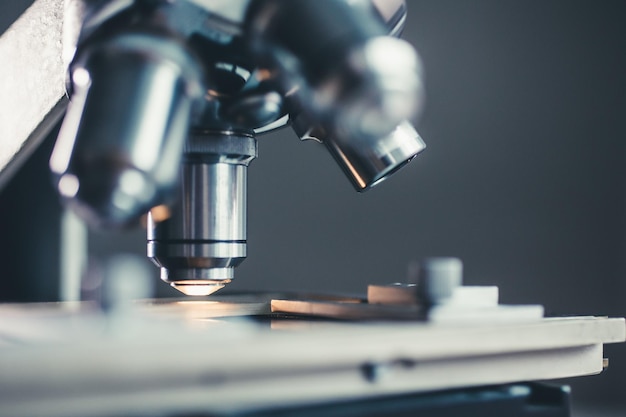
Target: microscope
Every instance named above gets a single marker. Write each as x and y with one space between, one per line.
167 99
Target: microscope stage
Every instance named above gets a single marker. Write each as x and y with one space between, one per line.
170 356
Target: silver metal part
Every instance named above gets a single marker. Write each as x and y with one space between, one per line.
199 246
393 13
361 105
367 162
376 88
142 74
438 278
114 168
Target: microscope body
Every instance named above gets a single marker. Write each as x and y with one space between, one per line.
168 98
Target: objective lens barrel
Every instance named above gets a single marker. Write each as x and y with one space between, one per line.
119 148
199 246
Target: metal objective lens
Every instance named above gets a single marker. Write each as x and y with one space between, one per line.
203 241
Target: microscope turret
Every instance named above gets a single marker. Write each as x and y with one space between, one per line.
168 97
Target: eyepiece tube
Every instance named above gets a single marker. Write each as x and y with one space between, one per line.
120 145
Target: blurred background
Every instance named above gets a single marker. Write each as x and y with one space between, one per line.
524 177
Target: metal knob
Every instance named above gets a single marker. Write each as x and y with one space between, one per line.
437 278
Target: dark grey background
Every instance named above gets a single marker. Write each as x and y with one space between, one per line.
523 178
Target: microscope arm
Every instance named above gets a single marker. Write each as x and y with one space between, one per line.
32 83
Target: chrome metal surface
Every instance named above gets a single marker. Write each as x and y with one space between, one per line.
393 14
142 74
390 91
367 163
360 108
346 73
114 168
199 246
